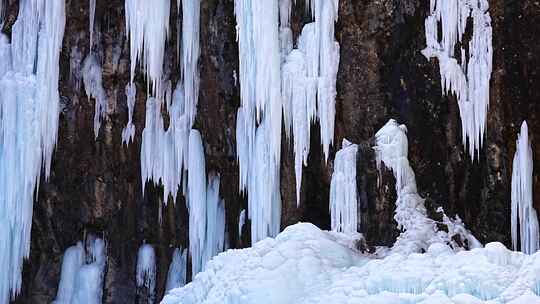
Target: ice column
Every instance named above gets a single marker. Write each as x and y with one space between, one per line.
468 73
418 231
29 108
260 85
196 200
215 220
523 213
92 15
146 271
176 277
93 85
343 190
191 10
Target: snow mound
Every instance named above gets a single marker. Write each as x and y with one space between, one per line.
304 264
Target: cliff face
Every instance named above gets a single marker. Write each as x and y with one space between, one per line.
95 185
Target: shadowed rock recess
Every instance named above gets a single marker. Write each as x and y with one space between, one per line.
95 184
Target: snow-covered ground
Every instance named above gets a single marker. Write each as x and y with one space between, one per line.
304 264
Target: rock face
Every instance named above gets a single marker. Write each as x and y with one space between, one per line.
95 185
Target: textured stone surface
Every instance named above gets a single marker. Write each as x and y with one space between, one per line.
95 185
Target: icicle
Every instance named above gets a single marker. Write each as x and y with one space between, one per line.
343 190
469 82
522 196
29 109
241 222
147 23
128 133
215 220
81 279
191 10
418 231
196 200
176 277
93 86
146 271
92 9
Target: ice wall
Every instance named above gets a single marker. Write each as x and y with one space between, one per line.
466 74
343 190
176 276
146 272
29 109
524 217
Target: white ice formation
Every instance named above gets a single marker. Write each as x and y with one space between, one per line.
93 85
418 231
306 265
146 271
524 217
128 133
83 271
29 111
215 220
147 24
343 190
176 276
467 74
241 222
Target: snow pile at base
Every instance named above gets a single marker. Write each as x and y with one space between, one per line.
81 279
467 74
146 271
343 190
306 265
418 231
522 196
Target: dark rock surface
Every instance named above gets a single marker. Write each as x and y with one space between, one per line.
95 185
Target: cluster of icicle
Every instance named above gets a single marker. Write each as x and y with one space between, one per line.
29 111
343 190
465 76
83 271
146 273
418 231
277 81
93 86
523 214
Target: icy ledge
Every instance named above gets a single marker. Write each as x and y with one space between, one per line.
306 265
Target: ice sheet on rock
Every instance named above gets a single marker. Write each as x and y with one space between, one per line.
523 213
196 200
75 66
128 133
176 276
93 85
147 25
306 265
469 78
83 271
343 190
418 231
241 222
146 272
29 110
